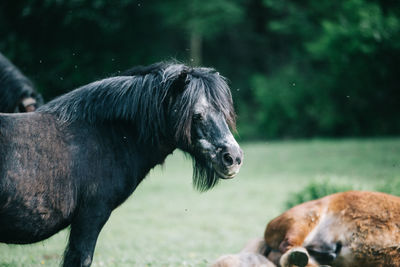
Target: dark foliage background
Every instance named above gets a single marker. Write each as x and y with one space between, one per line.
297 69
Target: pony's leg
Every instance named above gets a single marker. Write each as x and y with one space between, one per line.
83 237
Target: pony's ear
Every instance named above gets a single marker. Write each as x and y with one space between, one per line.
180 82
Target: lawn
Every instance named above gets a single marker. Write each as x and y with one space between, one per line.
166 223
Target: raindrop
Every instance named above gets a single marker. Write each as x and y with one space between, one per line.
192 59
112 59
73 54
75 66
61 78
139 5
348 96
294 84
238 89
40 61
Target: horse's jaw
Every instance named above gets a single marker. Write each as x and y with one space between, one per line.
225 160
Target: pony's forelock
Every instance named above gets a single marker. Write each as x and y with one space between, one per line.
208 83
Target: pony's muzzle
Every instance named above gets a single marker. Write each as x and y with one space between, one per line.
231 160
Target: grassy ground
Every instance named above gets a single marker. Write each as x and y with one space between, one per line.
166 223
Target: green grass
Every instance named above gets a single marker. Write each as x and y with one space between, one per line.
166 223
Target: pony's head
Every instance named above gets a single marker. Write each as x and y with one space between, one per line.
170 105
17 93
28 102
201 113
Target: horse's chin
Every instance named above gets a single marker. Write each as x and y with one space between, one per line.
225 174
206 160
220 171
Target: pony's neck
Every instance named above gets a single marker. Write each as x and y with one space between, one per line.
144 157
125 137
138 100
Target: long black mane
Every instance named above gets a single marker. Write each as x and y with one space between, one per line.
138 96
146 97
14 86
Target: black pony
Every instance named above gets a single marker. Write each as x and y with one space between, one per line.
17 93
81 155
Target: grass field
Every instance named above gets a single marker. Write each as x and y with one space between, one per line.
166 223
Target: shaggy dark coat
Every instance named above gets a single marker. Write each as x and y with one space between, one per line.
81 155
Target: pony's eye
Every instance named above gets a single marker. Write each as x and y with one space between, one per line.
197 117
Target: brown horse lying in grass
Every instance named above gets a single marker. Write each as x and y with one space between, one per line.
345 229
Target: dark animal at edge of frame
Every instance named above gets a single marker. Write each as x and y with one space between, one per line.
17 93
81 155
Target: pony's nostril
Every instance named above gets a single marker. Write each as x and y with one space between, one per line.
228 160
238 161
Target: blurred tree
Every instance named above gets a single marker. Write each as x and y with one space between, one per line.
201 19
339 78
297 68
63 44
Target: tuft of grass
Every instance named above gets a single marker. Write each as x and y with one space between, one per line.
318 189
390 186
